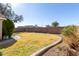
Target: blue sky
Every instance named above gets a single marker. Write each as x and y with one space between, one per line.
45 13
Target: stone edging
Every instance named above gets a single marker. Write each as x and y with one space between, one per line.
43 50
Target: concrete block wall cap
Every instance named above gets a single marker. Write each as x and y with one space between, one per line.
43 50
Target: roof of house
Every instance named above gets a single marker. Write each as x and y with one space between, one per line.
2 17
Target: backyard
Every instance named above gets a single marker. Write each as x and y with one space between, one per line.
32 35
28 43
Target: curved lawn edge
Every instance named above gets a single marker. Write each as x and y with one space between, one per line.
43 50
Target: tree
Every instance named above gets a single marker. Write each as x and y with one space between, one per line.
55 24
36 25
8 28
6 10
48 26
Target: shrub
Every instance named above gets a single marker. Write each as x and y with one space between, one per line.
70 35
8 28
69 30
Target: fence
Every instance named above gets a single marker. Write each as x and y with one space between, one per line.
52 30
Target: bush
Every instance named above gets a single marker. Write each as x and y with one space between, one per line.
71 36
69 30
8 28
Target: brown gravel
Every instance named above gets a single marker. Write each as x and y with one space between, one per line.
59 50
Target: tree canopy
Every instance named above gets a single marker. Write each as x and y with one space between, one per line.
6 10
55 24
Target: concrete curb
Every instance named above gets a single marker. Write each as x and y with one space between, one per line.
43 50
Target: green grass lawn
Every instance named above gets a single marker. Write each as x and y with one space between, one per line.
28 43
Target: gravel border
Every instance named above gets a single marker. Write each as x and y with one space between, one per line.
43 50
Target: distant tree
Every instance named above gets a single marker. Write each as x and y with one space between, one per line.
6 10
55 24
47 25
36 25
